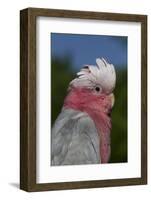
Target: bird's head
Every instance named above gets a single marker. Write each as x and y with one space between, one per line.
93 88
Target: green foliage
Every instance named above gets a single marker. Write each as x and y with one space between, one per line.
62 73
119 119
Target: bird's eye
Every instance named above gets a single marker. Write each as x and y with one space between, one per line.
97 89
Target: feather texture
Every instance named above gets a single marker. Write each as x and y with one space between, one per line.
103 75
74 139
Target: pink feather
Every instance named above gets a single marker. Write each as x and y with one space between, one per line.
97 106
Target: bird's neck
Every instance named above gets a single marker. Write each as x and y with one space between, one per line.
78 99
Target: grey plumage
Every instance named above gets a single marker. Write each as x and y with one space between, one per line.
74 139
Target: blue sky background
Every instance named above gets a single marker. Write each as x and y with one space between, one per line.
84 49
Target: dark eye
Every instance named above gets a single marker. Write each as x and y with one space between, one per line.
97 89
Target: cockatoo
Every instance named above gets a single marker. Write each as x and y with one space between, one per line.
81 133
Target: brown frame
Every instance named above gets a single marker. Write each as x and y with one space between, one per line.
28 98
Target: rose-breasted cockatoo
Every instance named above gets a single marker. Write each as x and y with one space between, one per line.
81 133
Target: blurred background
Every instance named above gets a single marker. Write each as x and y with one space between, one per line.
69 52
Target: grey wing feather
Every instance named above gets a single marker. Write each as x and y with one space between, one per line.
74 139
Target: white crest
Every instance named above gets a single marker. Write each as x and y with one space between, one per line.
102 75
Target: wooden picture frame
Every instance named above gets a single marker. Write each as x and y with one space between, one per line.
28 98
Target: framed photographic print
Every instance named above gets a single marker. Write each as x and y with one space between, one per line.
83 99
